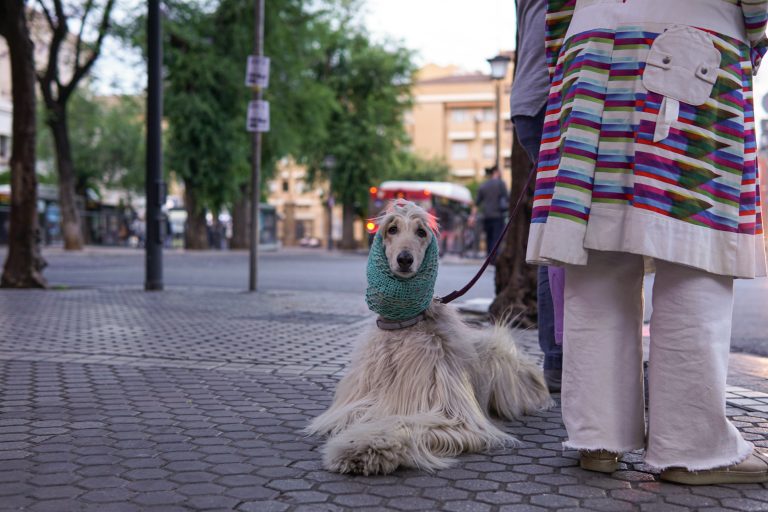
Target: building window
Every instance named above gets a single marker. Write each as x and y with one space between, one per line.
489 115
459 115
4 146
459 151
489 150
285 185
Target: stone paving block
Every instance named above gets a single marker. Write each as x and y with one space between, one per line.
212 501
466 506
661 507
357 500
126 424
264 506
108 495
411 504
499 497
744 504
521 508
554 501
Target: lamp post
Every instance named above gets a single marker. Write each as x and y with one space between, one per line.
329 162
155 188
499 65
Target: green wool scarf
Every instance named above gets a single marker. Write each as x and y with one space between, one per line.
396 298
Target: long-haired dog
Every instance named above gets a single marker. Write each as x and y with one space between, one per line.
419 395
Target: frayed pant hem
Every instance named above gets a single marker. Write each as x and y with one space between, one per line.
743 454
570 445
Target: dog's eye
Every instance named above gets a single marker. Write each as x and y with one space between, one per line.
392 230
420 232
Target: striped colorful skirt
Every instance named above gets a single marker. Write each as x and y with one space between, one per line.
649 145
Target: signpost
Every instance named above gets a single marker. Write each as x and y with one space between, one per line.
257 72
256 76
258 116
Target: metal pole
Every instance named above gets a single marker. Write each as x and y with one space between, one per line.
258 49
498 124
154 158
330 218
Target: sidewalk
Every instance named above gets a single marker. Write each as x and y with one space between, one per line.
114 399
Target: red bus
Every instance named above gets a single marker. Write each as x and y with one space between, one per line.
451 203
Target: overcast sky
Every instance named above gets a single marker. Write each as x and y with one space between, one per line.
465 33
447 31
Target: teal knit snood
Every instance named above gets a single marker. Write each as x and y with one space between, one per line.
396 298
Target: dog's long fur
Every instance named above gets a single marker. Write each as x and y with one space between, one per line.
418 396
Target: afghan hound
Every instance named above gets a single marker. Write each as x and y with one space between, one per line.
419 392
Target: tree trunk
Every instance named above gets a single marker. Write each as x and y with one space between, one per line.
515 279
71 225
240 221
196 229
348 241
24 263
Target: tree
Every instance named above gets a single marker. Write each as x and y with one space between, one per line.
24 264
92 18
366 136
206 100
107 140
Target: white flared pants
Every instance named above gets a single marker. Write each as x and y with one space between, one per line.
602 390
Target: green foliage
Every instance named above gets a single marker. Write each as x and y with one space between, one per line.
332 93
416 168
206 99
371 88
473 187
107 139
200 105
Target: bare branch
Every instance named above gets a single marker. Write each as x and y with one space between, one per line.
81 71
79 41
47 15
58 34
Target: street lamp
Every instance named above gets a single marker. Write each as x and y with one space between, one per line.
499 65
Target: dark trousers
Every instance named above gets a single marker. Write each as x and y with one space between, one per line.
529 130
493 229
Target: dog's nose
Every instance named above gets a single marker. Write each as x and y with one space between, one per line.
405 260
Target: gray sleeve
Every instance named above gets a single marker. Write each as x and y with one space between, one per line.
530 87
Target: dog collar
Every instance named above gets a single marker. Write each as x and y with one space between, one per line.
392 325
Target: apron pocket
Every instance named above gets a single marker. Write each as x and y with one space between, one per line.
682 65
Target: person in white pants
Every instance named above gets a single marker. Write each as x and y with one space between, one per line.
602 397
648 152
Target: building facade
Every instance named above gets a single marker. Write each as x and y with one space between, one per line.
454 117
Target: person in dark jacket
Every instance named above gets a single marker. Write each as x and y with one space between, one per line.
527 104
492 202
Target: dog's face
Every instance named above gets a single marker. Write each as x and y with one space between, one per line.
406 231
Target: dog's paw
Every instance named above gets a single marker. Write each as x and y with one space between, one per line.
375 456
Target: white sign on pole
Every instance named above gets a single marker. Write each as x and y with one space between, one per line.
258 116
257 72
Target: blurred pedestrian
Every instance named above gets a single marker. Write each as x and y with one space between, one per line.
493 203
649 153
527 107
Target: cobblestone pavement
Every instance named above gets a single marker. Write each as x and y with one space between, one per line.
190 399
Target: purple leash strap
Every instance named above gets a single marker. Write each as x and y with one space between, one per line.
458 293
